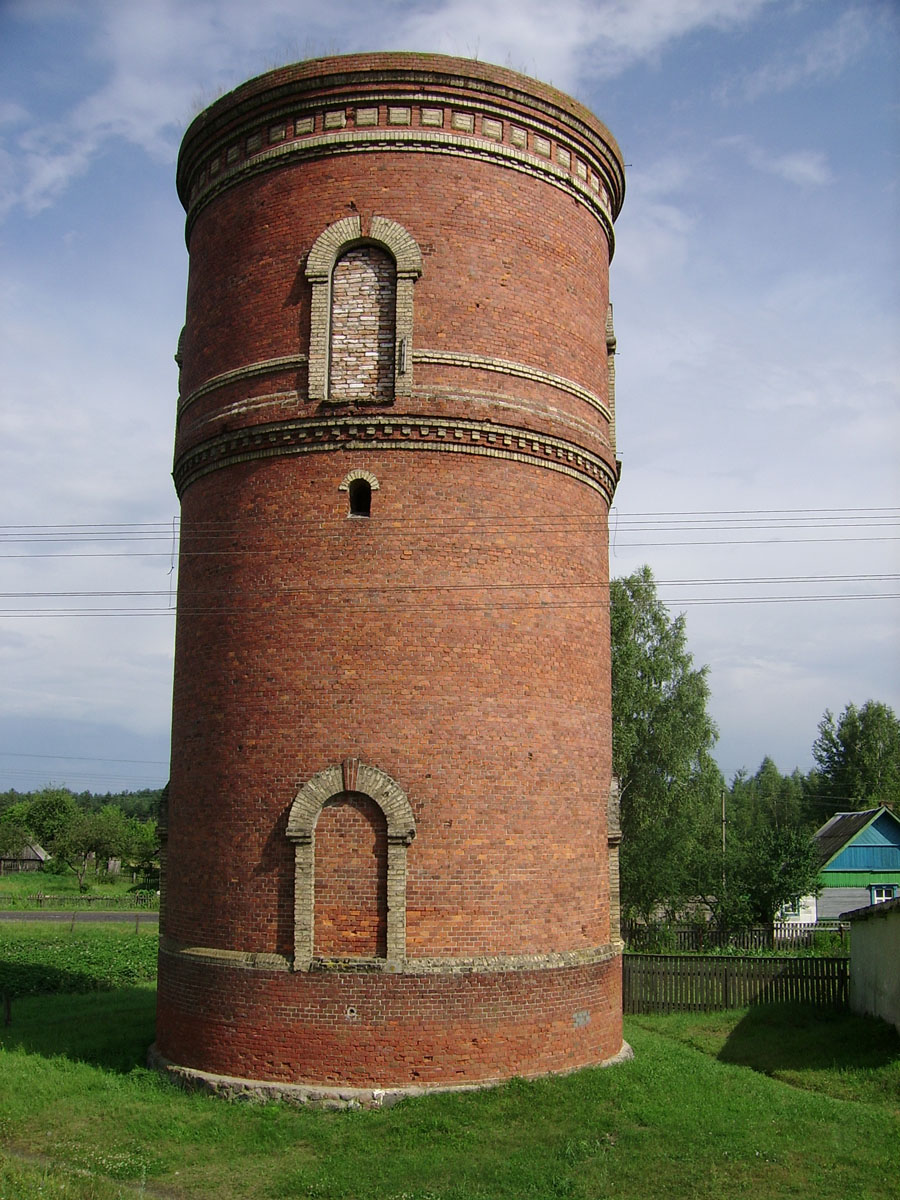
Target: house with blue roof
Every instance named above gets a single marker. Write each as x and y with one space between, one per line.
859 854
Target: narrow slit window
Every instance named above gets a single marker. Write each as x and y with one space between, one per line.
360 498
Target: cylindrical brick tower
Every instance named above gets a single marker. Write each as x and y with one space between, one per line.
392 856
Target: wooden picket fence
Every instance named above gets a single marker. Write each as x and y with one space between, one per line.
660 983
699 937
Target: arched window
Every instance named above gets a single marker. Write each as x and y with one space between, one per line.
360 498
370 276
363 307
351 879
358 907
360 485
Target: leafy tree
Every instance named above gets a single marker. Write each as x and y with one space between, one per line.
857 757
769 798
17 814
76 844
662 742
93 837
763 867
14 832
768 857
143 842
49 813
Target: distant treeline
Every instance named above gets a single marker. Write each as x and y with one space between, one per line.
142 805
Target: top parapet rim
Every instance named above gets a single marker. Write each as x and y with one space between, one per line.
404 67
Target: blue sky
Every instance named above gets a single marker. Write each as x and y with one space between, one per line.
757 309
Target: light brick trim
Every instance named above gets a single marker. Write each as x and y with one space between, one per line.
611 373
323 255
371 480
350 776
291 362
614 841
245 959
355 141
481 438
502 366
486 964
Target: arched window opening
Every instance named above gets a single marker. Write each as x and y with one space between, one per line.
361 816
351 879
345 263
363 326
360 498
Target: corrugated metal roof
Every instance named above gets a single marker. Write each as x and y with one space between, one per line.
837 831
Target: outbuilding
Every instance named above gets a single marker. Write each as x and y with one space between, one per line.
875 960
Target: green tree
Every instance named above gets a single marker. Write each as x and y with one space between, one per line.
768 856
14 830
76 844
143 845
769 798
662 742
857 757
50 811
93 838
762 868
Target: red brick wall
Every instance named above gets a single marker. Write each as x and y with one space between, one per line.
306 636
512 269
363 295
388 1030
351 879
457 639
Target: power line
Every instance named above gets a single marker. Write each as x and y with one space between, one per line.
148 762
410 587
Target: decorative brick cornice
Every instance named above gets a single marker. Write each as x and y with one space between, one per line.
293 362
444 358
586 191
431 103
486 964
503 366
398 432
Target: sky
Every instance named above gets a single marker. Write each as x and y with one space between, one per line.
757 309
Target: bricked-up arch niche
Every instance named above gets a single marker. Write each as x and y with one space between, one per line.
372 275
359 797
360 485
363 304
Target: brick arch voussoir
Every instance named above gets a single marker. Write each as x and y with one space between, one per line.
372 782
331 242
328 245
371 480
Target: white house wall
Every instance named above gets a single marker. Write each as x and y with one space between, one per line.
875 964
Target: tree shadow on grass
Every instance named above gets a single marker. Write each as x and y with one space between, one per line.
777 1038
109 1029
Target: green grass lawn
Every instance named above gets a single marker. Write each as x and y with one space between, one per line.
774 1102
106 891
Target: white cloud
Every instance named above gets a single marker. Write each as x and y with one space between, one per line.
821 58
567 42
156 57
807 168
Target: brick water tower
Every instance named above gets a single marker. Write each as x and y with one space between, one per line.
391 855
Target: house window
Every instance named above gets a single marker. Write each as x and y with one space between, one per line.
882 892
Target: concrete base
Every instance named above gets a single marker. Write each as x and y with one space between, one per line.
260 1091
